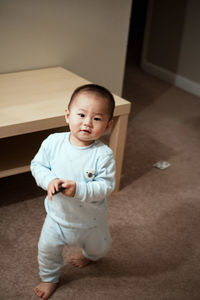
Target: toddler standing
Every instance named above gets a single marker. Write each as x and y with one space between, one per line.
84 168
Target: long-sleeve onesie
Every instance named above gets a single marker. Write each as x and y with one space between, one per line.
93 170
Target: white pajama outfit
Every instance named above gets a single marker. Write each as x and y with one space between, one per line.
80 220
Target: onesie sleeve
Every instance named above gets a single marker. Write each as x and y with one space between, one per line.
40 165
103 183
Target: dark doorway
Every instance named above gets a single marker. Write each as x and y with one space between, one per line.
136 32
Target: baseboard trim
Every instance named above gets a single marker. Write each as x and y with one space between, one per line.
177 80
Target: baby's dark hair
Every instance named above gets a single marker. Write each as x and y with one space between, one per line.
99 91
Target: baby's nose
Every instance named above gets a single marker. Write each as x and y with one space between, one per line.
87 121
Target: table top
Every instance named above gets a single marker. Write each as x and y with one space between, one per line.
36 100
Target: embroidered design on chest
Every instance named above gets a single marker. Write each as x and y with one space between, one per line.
89 174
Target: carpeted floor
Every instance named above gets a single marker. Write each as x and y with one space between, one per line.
155 218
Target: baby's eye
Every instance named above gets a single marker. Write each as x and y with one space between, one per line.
81 115
97 119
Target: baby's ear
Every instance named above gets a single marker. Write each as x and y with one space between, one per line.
109 125
67 113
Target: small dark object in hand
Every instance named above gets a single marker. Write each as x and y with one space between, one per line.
60 189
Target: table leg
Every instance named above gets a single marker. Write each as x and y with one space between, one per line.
117 144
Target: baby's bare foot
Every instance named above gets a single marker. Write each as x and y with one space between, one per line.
45 289
80 261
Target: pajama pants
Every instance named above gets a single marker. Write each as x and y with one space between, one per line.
95 242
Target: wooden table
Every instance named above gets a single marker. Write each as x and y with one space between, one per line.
32 105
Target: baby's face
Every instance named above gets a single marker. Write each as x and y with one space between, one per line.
88 119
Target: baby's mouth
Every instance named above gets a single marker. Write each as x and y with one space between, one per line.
85 131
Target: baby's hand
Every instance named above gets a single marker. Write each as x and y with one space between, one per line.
53 187
69 188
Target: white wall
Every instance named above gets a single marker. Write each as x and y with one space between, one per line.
171 48
87 37
189 57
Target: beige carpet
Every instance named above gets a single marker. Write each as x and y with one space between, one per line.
155 218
